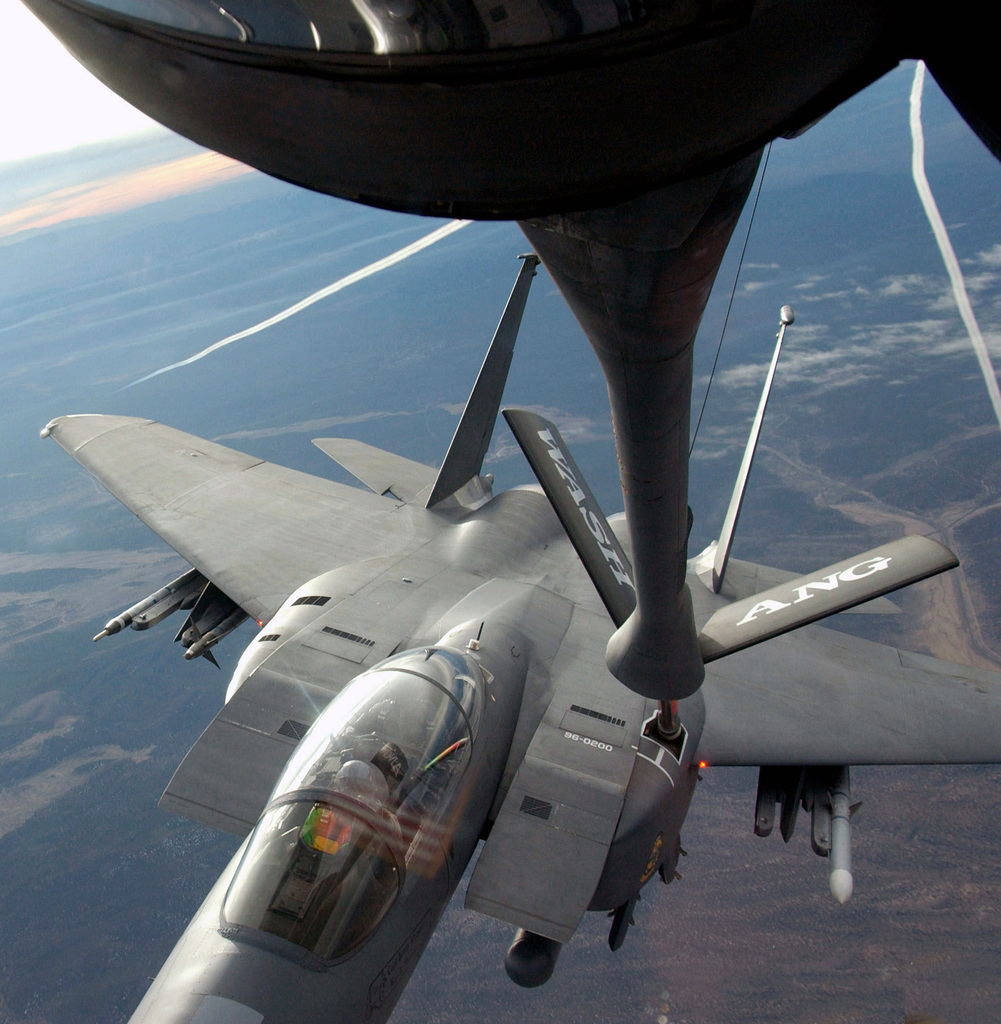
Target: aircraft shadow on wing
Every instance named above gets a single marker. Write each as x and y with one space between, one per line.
430 672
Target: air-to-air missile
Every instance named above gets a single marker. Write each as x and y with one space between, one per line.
213 615
179 593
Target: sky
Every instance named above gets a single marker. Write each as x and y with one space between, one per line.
58 104
73 108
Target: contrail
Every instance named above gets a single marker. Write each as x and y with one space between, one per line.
945 246
359 275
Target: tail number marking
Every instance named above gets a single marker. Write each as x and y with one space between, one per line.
587 741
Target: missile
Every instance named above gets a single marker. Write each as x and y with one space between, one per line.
214 635
206 618
150 610
841 838
182 593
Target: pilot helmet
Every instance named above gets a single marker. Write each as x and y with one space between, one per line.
364 782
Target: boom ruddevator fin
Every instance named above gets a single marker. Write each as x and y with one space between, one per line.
722 553
834 589
464 459
781 609
575 506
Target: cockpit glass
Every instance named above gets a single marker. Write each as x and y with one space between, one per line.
317 875
407 729
368 795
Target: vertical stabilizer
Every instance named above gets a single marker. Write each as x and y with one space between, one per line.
472 437
722 555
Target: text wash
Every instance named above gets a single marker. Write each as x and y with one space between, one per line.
859 571
592 521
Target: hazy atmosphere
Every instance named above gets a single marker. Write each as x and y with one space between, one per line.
126 258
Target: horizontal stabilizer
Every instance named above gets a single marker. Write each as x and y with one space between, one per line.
380 471
567 490
834 589
744 579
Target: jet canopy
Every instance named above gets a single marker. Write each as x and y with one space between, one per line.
366 797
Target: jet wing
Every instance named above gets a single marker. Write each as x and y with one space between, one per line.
818 697
256 530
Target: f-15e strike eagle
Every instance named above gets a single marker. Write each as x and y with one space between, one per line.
430 672
625 137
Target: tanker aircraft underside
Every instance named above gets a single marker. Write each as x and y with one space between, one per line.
430 671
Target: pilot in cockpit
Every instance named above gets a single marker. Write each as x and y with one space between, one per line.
327 861
368 782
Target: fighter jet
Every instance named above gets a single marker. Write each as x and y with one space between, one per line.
429 674
625 137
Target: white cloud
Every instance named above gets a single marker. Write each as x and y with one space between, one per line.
979 282
574 427
991 257
742 376
945 302
906 284
869 352
312 426
810 282
825 296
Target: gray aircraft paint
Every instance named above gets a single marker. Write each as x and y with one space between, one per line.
576 776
